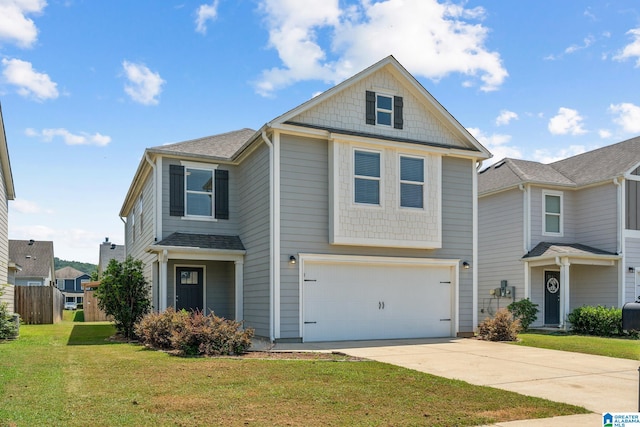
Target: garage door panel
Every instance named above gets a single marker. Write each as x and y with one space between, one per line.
343 301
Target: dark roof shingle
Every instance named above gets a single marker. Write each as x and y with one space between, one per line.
203 241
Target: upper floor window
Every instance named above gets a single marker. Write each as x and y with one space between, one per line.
552 213
411 182
198 191
383 109
367 177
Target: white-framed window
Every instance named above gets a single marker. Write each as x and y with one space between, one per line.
140 212
198 191
384 109
411 182
366 177
552 209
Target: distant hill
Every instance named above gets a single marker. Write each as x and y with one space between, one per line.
85 267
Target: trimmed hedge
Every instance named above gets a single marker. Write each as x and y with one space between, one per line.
599 321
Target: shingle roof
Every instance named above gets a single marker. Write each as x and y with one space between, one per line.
549 249
35 259
222 146
69 273
592 167
203 241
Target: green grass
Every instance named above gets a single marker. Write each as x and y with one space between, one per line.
70 374
624 348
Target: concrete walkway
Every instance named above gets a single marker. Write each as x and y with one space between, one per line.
600 384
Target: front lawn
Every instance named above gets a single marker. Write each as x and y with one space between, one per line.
624 348
69 374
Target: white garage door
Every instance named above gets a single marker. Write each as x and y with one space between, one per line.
356 301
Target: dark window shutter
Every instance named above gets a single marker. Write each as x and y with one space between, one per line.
222 194
371 107
397 112
176 190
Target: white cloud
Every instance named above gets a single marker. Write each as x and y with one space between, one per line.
497 145
627 116
25 206
632 50
546 156
605 133
588 41
144 86
47 135
505 117
430 39
567 121
30 83
206 12
15 26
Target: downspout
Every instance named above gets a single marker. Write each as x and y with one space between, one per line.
267 141
474 273
526 226
620 218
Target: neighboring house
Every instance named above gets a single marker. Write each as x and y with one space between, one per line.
36 261
7 192
352 216
69 281
563 234
109 251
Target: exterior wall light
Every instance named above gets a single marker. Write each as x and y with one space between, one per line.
466 265
292 259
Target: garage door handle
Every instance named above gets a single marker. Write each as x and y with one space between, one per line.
307 323
445 320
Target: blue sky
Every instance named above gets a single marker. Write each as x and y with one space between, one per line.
87 85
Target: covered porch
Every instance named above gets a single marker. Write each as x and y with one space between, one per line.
560 277
199 272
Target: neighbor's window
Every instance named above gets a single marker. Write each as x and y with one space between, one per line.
552 213
199 192
411 182
367 177
384 109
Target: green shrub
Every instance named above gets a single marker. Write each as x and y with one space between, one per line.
525 311
194 333
501 327
599 321
8 326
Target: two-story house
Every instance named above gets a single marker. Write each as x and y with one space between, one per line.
7 192
351 216
35 258
563 234
69 280
107 252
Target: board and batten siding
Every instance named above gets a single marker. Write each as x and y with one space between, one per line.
251 181
174 224
304 223
597 217
500 247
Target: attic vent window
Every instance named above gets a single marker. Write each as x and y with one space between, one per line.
384 110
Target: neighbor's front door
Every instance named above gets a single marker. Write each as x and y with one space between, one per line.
552 297
189 292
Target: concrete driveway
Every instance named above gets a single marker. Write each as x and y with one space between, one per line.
600 384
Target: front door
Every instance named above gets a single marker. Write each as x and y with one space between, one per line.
189 289
552 297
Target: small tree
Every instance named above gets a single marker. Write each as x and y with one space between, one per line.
124 294
525 311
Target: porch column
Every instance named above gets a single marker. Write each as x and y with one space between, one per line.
162 281
565 284
239 268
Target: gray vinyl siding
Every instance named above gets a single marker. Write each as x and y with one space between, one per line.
4 231
593 285
304 223
173 224
632 259
500 248
568 214
135 246
219 281
536 279
596 216
252 183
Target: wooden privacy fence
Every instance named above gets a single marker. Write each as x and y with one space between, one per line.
90 304
38 305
